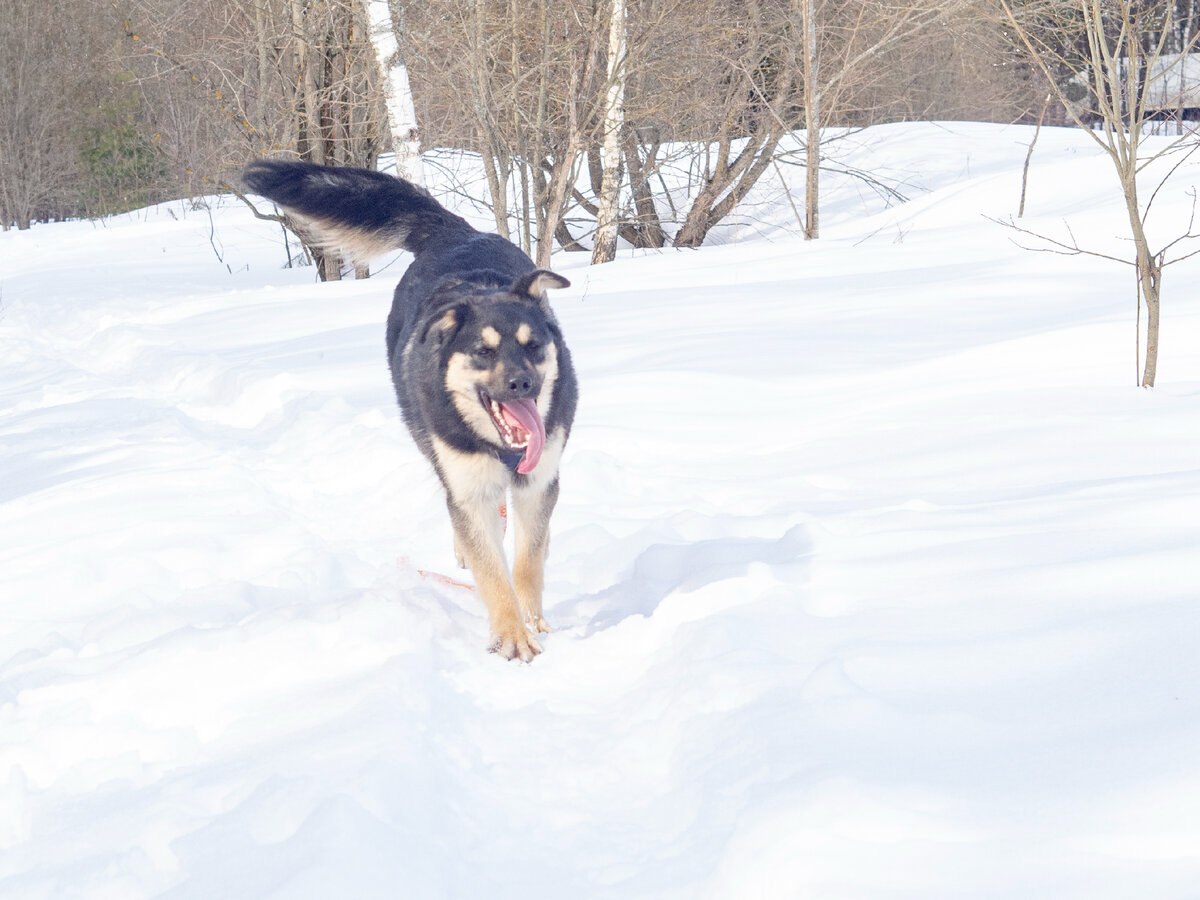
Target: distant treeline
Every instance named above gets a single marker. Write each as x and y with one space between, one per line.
107 107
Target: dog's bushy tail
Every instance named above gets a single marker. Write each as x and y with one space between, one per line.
358 211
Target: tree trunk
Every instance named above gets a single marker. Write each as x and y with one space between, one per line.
566 240
495 162
723 189
312 139
1149 267
397 92
553 193
556 194
1151 369
1029 155
497 179
262 109
1149 270
647 230
605 247
812 122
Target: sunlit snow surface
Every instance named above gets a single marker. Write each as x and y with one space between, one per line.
873 574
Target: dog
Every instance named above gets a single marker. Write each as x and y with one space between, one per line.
482 374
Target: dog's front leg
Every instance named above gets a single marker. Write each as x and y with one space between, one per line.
475 487
532 505
479 536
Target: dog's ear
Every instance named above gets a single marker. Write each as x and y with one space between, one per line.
443 324
534 284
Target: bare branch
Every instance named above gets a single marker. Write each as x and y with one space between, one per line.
1063 248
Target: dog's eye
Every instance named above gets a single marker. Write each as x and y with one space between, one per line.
485 352
532 347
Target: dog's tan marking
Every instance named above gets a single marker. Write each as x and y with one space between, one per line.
473 478
548 369
490 336
532 503
541 279
447 321
524 333
463 382
358 243
477 483
547 467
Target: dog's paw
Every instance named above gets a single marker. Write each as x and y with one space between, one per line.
534 620
515 643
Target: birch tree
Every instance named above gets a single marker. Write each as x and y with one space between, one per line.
605 245
397 92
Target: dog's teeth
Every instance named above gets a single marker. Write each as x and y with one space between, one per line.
506 431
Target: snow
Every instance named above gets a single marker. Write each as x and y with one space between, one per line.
873 574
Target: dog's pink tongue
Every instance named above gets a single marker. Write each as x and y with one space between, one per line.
525 413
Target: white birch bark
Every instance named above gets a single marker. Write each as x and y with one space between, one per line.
397 92
605 248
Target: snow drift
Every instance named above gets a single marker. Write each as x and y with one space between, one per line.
873 573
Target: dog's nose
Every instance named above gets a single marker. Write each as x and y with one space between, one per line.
522 385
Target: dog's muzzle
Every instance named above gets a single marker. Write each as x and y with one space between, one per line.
519 425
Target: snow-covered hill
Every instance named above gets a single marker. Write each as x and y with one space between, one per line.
874 575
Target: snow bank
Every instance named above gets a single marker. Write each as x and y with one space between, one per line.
873 573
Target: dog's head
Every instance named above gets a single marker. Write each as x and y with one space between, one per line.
500 347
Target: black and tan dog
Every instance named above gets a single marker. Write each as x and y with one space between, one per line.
483 377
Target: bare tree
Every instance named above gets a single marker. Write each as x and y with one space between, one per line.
718 81
710 87
518 82
1109 63
798 64
290 77
43 83
843 45
756 106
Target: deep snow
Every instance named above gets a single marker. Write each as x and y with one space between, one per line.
874 574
